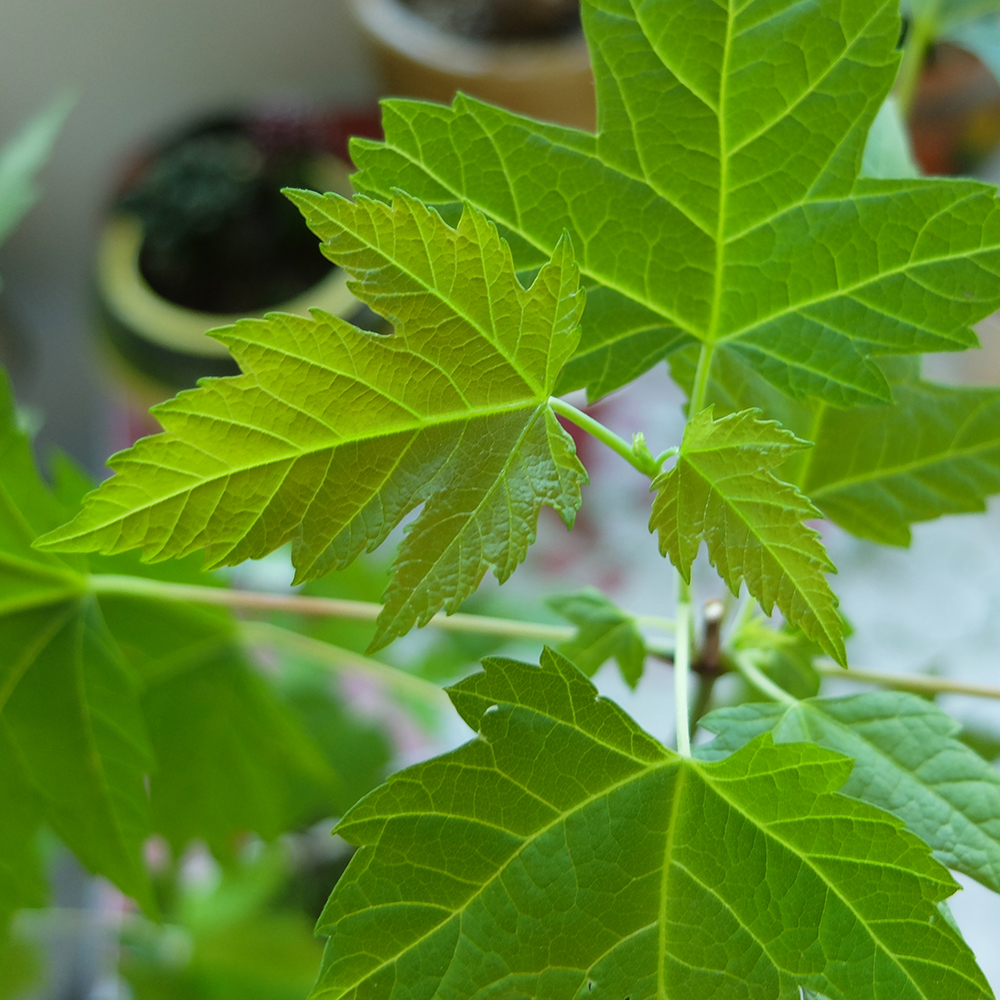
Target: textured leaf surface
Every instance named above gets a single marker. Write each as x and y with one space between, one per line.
875 470
721 491
334 435
605 632
720 199
564 854
907 761
70 725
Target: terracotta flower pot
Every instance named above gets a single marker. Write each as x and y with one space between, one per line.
549 79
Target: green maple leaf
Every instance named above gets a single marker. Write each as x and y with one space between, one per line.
231 755
101 692
71 729
875 470
719 200
907 760
564 853
722 492
334 435
605 632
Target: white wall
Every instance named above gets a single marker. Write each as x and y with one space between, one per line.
138 66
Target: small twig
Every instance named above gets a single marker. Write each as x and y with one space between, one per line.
708 664
906 682
328 607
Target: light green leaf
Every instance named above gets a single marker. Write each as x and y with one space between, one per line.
722 492
720 197
876 470
564 853
20 160
70 724
605 631
907 761
334 435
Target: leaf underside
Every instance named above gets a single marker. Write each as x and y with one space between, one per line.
719 201
722 492
564 854
907 761
124 716
333 435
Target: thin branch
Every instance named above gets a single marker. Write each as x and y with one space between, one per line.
328 607
753 675
909 682
682 664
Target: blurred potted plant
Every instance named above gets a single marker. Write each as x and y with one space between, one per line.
200 234
948 85
526 55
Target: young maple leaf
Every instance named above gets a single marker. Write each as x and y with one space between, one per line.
333 435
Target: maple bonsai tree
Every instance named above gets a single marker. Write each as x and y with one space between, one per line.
717 221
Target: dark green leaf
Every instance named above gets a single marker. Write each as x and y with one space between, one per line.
907 761
565 853
605 631
720 198
69 712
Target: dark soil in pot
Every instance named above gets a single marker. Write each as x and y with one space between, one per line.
502 20
219 235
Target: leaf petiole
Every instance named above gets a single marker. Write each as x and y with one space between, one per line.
753 675
253 600
636 454
914 683
682 666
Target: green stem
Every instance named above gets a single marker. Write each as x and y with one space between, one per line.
682 666
700 388
328 607
919 38
753 675
643 462
136 586
706 685
906 682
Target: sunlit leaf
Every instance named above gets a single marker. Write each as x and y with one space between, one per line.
564 853
719 200
334 435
